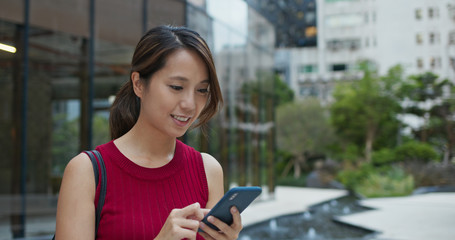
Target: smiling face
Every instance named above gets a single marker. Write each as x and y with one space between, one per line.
176 94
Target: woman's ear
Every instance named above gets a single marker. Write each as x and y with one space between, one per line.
137 84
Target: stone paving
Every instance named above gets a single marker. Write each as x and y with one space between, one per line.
428 216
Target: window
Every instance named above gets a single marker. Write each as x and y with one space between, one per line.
419 38
419 63
430 13
432 38
311 68
435 62
433 12
451 11
310 17
366 18
339 67
345 44
354 44
452 38
311 31
333 45
418 13
367 42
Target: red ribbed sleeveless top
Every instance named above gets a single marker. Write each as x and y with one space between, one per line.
139 199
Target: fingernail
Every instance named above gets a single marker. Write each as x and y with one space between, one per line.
234 209
210 219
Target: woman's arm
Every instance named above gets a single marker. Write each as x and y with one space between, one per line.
215 180
75 208
214 175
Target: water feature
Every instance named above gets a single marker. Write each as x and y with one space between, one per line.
307 215
318 223
272 225
311 233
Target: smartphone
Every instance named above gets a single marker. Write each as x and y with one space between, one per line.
239 197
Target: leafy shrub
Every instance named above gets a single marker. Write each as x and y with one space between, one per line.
393 182
291 181
283 159
383 157
352 177
415 151
350 153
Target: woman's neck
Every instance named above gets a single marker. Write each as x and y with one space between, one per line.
146 147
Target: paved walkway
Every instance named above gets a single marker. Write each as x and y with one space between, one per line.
418 217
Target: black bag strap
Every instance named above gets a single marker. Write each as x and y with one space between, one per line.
96 158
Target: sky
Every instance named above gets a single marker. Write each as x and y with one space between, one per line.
230 25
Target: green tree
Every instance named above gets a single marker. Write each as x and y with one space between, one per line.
432 100
303 130
365 110
65 142
270 87
101 132
65 139
415 151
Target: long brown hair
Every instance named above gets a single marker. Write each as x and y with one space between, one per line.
150 56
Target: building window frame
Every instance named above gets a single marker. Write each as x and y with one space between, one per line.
419 38
418 14
420 64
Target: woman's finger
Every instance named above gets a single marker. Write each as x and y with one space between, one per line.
212 233
192 209
237 223
205 235
205 211
188 224
186 234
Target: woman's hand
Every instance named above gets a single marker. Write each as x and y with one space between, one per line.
182 223
226 231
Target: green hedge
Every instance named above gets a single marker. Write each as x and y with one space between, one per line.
394 182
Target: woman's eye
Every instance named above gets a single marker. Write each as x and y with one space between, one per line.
203 90
176 87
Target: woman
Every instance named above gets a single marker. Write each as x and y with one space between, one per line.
157 187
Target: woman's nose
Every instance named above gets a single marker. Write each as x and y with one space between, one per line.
188 101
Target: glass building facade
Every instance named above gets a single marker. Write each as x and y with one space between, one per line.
70 59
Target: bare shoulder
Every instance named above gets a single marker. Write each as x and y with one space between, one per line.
214 175
210 163
79 169
78 175
79 162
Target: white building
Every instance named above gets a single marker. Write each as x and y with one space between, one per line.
418 34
